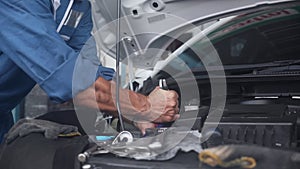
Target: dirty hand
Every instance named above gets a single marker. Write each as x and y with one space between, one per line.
163 106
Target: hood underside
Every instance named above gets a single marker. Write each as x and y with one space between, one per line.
146 26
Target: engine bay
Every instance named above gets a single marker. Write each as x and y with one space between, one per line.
258 110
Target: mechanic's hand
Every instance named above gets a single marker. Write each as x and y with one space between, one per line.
163 106
159 107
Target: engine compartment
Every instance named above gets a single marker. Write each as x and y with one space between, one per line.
263 111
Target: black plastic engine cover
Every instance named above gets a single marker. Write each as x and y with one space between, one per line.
264 125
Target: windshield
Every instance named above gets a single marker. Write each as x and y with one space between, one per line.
254 38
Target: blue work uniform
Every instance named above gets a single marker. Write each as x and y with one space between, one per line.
40 42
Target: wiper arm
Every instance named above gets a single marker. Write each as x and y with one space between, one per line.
286 62
275 67
249 69
279 63
265 68
275 70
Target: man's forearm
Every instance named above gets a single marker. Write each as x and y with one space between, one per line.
159 106
102 95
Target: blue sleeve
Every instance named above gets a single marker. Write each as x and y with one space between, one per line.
28 36
87 66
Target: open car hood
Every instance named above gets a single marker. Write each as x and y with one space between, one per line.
152 24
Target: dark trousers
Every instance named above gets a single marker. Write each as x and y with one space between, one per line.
6 122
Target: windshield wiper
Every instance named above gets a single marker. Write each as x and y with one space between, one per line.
284 63
250 69
276 67
280 63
